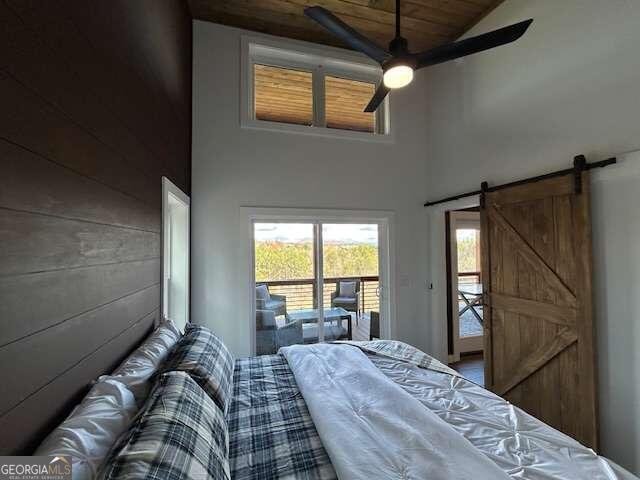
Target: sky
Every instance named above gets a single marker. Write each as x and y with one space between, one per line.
303 232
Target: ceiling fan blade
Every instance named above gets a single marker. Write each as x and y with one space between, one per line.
347 34
472 45
377 98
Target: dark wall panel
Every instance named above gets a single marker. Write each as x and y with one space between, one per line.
38 243
24 426
35 184
96 108
37 126
35 363
33 302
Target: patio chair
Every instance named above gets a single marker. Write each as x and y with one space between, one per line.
270 337
347 296
270 301
374 325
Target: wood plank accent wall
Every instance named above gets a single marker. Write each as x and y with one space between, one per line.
96 107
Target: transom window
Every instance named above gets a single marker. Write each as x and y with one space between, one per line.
309 91
282 95
345 101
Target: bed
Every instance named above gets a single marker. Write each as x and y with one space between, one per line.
273 434
348 410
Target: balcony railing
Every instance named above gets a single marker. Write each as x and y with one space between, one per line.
469 277
301 294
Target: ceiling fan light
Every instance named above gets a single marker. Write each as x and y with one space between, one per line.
398 76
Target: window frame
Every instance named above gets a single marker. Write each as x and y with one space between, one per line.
320 61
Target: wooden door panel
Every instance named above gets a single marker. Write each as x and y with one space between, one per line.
555 338
550 312
538 322
530 192
511 325
569 379
520 216
565 262
529 254
537 358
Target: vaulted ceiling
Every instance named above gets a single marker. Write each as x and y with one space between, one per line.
425 23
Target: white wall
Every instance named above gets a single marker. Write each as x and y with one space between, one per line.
235 167
571 85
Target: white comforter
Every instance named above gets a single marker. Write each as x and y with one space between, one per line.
369 423
520 444
373 429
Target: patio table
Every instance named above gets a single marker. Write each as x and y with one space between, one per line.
309 320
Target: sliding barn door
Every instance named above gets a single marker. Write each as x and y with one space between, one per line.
539 339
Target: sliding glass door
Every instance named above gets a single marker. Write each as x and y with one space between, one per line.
286 287
350 267
292 261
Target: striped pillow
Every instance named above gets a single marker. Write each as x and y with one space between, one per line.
207 360
180 434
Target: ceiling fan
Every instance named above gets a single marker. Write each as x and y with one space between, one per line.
398 63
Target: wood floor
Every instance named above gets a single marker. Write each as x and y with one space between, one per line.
471 367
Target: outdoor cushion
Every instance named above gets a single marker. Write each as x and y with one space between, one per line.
262 293
180 434
273 304
345 299
207 360
347 289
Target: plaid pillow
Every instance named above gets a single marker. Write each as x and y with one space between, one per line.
180 434
207 360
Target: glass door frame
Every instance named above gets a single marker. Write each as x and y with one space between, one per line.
461 220
385 222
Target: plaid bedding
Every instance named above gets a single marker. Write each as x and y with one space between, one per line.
202 355
179 435
272 435
271 432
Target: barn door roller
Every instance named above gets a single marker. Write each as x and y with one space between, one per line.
579 166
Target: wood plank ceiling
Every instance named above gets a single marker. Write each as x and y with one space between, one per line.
425 23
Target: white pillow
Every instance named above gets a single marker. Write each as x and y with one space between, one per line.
92 428
347 289
136 371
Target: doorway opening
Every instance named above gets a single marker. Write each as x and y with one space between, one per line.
464 292
175 254
317 281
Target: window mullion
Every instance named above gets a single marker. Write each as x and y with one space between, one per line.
319 118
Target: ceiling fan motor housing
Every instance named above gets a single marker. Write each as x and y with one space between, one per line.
399 49
398 46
